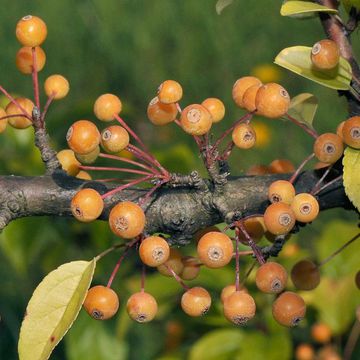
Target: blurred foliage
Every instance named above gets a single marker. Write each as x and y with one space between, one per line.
129 47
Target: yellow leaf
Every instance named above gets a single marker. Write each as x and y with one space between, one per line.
52 309
298 60
303 108
351 176
296 8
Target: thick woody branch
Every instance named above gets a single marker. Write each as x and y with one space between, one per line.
179 211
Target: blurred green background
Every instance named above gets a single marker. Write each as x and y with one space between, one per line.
129 47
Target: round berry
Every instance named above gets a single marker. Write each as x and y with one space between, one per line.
215 107
90 157
229 290
200 233
215 249
271 278
305 207
68 162
83 137
272 101
339 130
328 148
56 86
240 86
83 175
321 333
281 191
249 96
351 132
101 302
107 106
196 120
87 205
244 136
174 262
321 165
127 220
289 309
279 218
196 301
305 275
31 31
191 268
4 121
24 59
258 170
19 122
304 352
114 139
161 114
142 307
154 251
281 166
239 307
170 91
325 54
255 227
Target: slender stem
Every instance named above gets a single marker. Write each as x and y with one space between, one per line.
298 170
11 116
150 192
177 277
339 250
104 168
123 187
109 250
317 185
178 108
352 340
143 275
311 132
237 261
333 181
46 107
227 152
25 113
35 78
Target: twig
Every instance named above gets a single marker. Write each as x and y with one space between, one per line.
311 132
35 78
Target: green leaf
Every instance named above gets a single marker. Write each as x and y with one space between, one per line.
53 308
300 9
351 175
217 345
303 108
298 60
222 4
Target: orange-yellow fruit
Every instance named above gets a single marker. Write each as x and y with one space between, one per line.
255 227
281 166
240 86
127 220
199 234
68 162
279 218
272 101
289 309
325 54
281 191
154 251
328 352
229 290
170 91
271 278
107 106
83 137
142 307
160 113
339 130
87 205
305 275
114 139
19 122
83 175
215 249
305 207
196 120
304 352
90 157
191 268
239 307
244 136
328 148
56 86
321 165
215 107
249 96
258 170
31 31
101 302
174 262
3 122
196 301
321 333
24 59
351 132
